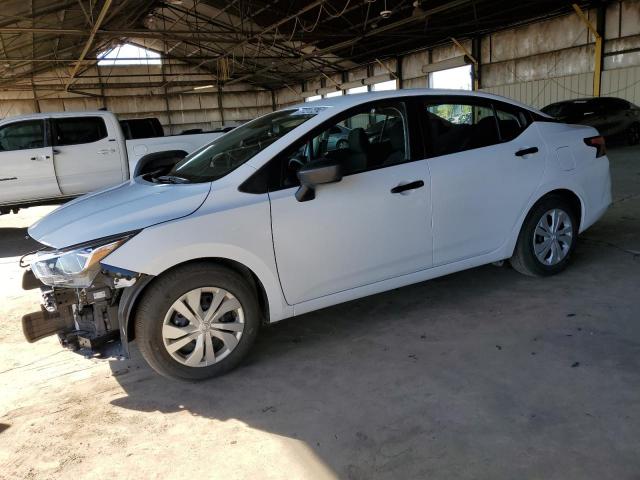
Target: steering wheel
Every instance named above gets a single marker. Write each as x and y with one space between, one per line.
295 164
225 154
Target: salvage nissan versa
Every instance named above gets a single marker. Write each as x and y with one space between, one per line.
274 220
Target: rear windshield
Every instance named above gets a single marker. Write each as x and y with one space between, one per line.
231 150
569 109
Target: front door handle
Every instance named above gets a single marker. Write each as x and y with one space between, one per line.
526 151
106 151
408 186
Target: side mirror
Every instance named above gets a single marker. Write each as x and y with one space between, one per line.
317 173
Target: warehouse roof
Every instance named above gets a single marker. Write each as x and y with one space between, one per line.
269 43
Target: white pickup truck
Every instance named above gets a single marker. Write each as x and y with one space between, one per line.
51 157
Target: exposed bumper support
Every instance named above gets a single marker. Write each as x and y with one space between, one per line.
86 319
127 303
38 325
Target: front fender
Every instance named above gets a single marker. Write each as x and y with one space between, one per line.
241 234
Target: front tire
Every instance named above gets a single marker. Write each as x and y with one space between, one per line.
547 238
197 322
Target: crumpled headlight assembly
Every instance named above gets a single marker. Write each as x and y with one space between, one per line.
77 266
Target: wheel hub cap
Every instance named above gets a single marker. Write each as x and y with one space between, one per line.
203 326
553 237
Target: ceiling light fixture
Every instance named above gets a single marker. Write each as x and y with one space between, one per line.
385 13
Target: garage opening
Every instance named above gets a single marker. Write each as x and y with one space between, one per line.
388 85
458 78
361 89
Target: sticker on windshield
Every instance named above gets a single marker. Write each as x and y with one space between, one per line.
309 110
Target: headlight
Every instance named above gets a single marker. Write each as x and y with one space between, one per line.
75 267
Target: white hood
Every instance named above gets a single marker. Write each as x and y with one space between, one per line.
130 206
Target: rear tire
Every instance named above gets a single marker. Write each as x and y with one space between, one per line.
547 238
176 335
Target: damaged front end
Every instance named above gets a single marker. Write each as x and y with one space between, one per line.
84 301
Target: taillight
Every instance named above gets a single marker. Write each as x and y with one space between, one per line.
598 143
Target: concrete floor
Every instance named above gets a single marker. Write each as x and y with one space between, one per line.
481 374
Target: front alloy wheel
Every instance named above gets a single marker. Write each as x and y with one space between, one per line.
197 321
203 326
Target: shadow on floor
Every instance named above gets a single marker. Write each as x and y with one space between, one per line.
14 242
3 427
406 383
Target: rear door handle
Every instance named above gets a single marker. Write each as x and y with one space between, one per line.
56 151
408 186
526 151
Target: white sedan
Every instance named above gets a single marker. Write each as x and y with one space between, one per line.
274 220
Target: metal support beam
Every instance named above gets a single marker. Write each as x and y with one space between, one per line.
477 67
87 45
166 99
36 103
166 59
474 61
220 105
389 71
597 61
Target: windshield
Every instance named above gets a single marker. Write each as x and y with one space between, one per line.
228 152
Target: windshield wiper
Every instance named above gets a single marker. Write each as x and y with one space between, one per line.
171 179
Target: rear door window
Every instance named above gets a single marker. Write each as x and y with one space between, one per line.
512 121
78 130
452 126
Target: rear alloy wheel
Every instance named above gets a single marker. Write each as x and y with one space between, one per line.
197 321
553 237
633 134
547 238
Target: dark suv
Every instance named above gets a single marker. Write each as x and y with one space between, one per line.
613 117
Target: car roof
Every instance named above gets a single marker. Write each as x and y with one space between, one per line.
346 101
37 116
584 100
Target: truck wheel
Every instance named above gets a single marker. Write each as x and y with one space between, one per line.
547 238
197 321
